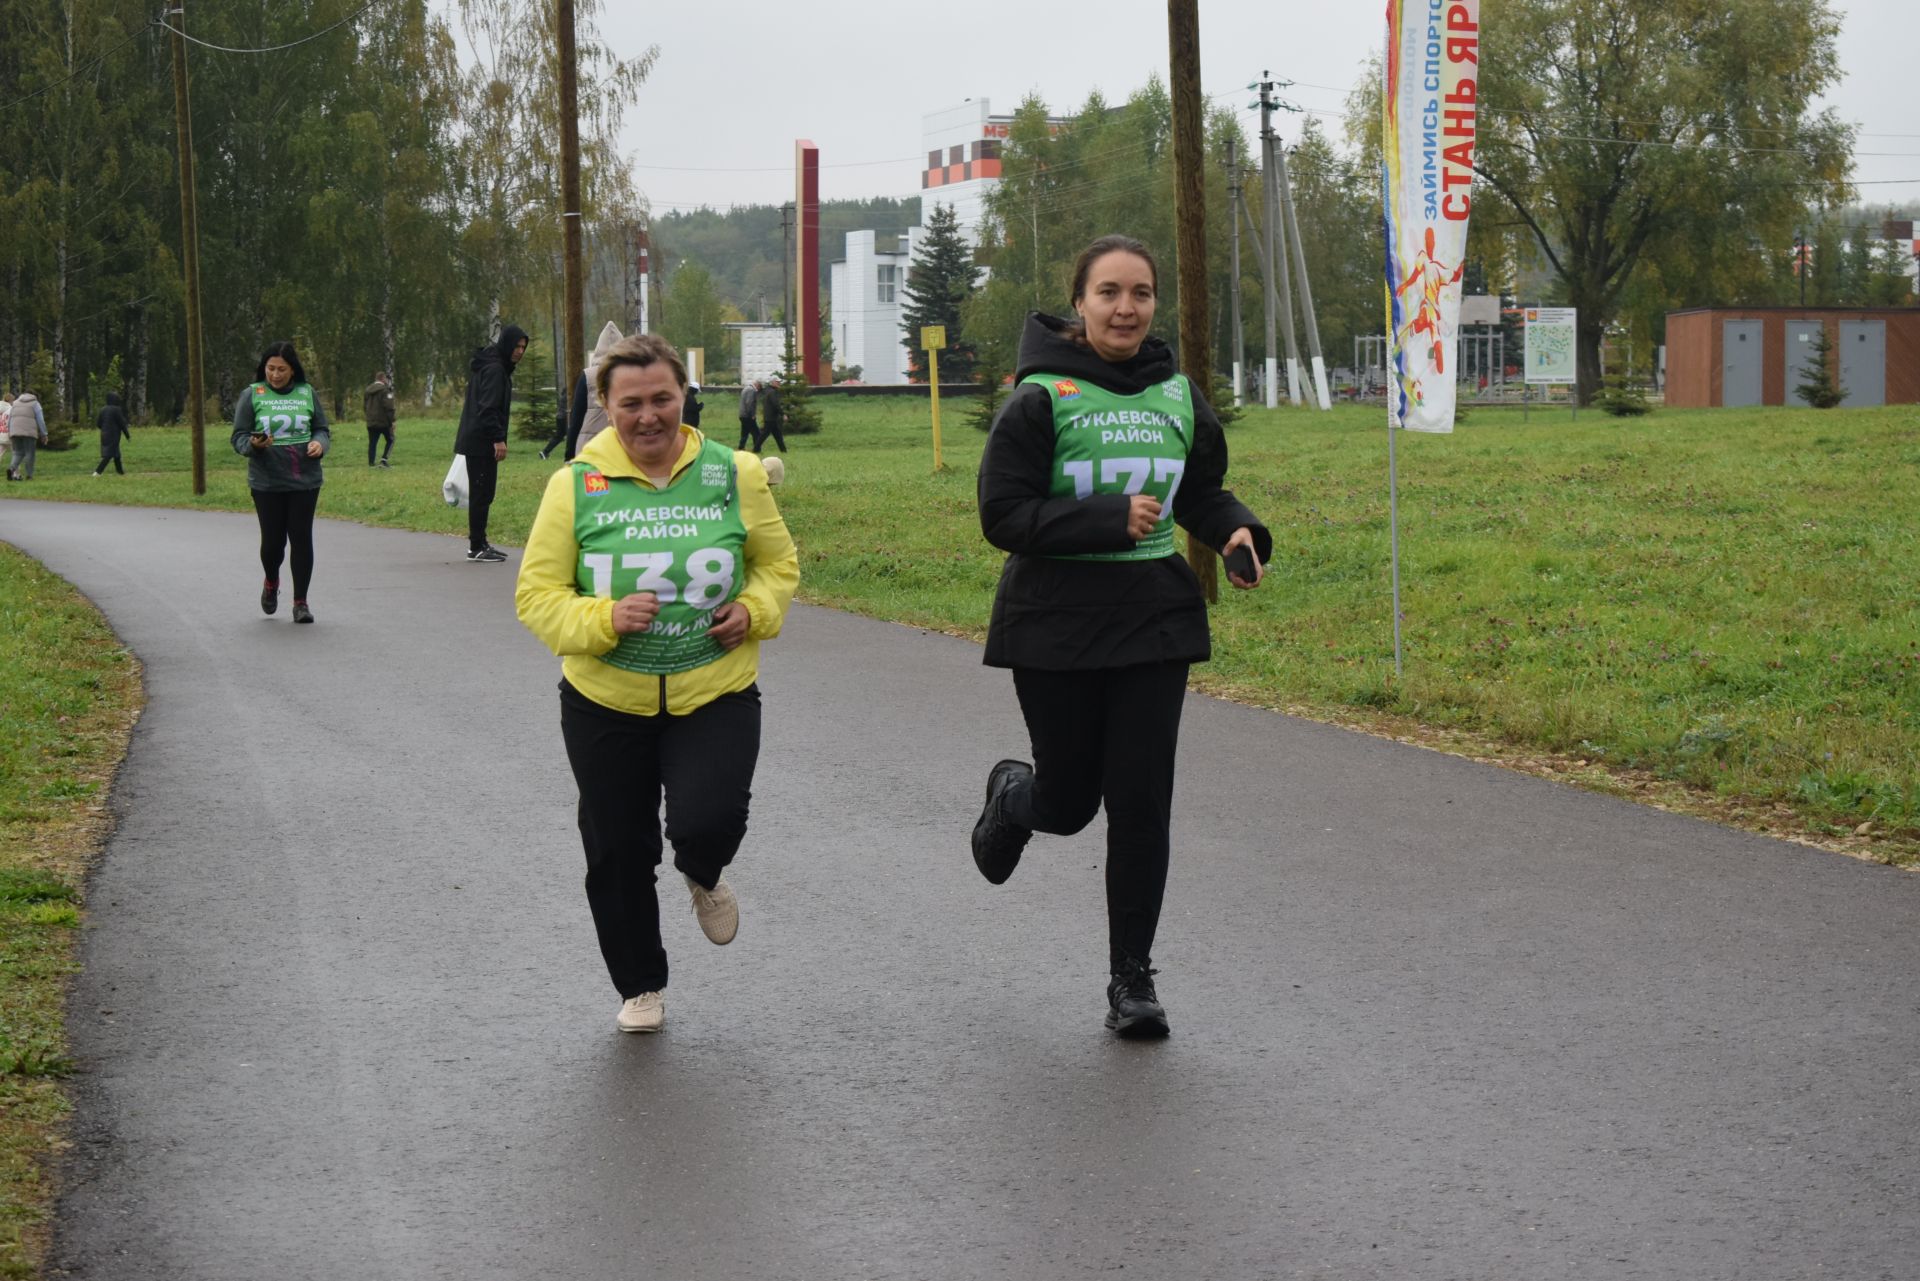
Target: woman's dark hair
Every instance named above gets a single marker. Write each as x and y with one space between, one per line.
1100 249
640 350
284 350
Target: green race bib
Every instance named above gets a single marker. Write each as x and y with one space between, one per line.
1107 443
285 416
686 544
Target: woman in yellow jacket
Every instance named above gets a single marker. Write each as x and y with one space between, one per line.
657 565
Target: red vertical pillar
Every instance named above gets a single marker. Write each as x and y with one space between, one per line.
807 258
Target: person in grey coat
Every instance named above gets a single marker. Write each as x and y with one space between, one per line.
112 422
749 425
26 428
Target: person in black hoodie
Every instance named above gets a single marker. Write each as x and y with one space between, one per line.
1100 449
482 438
112 422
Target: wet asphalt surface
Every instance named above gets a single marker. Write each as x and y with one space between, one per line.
342 1015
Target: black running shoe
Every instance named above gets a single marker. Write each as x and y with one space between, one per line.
269 598
997 841
1133 1007
487 554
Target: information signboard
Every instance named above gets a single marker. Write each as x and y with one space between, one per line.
1551 344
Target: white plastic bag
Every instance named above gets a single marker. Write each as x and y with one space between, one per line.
454 487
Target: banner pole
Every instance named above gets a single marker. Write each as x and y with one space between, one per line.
1393 525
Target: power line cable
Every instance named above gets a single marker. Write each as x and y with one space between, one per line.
293 44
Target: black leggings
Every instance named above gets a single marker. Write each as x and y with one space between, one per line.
286 521
1107 735
110 457
703 762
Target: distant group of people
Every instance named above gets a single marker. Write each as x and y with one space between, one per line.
23 427
762 397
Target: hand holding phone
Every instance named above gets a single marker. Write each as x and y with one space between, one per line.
1240 564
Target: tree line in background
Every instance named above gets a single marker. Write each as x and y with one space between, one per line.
363 193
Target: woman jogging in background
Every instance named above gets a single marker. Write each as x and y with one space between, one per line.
1100 450
656 566
281 429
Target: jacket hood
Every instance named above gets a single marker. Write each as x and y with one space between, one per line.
113 398
500 349
606 452
609 335
1046 347
25 398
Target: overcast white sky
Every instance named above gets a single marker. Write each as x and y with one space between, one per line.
739 80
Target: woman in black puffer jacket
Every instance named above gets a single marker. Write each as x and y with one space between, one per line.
1101 449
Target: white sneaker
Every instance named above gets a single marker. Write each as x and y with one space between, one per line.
646 1012
717 910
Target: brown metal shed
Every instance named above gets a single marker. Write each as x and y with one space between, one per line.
1736 356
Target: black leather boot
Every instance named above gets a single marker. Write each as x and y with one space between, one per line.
1133 1007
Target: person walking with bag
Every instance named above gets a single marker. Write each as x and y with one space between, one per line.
1102 447
112 422
482 437
657 565
281 430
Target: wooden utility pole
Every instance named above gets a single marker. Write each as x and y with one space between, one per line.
576 353
1233 266
1190 237
189 247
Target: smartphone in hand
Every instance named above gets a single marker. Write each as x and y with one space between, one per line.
1240 564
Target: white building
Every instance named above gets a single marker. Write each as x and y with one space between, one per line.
963 161
763 350
866 295
963 164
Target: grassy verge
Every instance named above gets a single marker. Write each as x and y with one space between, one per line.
68 696
1713 610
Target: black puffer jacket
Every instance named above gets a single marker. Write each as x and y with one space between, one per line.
483 415
1071 615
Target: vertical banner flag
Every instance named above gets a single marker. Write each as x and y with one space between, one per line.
1430 105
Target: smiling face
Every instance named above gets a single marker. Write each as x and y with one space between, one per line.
1118 304
644 403
279 373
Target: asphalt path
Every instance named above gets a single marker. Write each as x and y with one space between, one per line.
342 1015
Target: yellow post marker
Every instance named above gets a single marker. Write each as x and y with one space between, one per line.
933 339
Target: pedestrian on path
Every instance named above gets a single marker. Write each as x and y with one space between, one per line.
749 426
657 564
378 402
1097 614
482 437
770 417
281 430
26 428
112 422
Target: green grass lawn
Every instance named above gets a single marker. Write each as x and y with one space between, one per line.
1722 602
68 695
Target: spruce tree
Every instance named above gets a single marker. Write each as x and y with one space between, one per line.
799 416
939 280
1820 383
